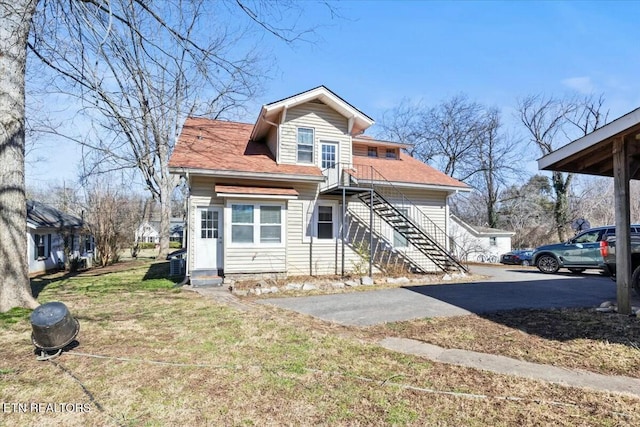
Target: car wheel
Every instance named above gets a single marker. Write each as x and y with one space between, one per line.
525 263
635 280
548 264
577 270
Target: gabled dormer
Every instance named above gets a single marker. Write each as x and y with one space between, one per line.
312 128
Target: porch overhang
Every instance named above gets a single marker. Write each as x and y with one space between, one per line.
249 192
270 176
593 153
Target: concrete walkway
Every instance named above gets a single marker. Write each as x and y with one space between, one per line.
518 368
487 362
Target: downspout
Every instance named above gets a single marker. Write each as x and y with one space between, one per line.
186 235
344 221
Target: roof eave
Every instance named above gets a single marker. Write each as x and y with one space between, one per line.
448 188
248 175
360 120
608 131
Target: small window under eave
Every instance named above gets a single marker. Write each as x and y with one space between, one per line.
391 153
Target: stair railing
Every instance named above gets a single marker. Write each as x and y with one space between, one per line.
366 176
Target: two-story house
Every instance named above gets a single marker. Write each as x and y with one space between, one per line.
303 192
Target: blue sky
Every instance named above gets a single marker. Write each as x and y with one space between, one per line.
381 52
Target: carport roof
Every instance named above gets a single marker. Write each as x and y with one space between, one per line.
593 153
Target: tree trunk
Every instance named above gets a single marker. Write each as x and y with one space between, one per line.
561 206
166 190
15 288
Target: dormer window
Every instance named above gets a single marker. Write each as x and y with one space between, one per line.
305 145
372 152
391 153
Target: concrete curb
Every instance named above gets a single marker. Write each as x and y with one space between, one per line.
505 365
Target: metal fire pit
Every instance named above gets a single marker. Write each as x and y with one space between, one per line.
53 328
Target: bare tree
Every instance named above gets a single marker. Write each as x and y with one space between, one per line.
496 161
138 78
106 27
552 122
462 138
528 210
112 216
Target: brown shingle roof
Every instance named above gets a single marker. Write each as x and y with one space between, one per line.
217 145
225 146
406 169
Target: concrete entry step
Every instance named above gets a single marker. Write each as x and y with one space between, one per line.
206 277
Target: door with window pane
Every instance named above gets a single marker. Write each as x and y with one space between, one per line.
208 248
329 161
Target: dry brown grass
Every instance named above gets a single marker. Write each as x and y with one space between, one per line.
172 357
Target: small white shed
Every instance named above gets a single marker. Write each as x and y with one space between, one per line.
479 244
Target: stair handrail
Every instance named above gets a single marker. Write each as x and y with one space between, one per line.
424 223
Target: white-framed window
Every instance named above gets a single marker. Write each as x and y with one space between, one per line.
493 241
209 224
391 153
328 154
270 224
322 220
42 245
372 151
305 145
259 224
242 223
325 222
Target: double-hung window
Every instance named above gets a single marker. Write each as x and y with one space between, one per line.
305 145
259 224
270 224
42 243
242 226
325 222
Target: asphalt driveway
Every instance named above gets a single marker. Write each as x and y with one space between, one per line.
504 289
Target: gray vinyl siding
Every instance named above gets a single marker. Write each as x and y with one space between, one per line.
328 125
272 142
431 203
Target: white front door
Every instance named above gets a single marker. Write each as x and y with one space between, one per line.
208 250
329 161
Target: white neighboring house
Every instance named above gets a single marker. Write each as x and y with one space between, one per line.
148 231
47 228
479 243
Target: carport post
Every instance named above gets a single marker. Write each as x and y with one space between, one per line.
623 224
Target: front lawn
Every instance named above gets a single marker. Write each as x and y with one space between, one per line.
152 354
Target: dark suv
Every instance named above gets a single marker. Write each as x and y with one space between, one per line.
578 253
